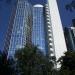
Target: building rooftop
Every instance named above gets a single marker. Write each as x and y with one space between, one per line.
38 5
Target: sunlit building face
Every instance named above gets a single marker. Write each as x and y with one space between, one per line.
21 27
58 35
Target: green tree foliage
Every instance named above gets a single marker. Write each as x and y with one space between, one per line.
30 61
67 63
5 65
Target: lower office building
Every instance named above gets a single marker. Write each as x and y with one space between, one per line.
70 38
73 22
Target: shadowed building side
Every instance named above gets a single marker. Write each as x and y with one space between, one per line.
49 36
9 30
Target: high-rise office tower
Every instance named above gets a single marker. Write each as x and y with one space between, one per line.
57 30
38 28
21 27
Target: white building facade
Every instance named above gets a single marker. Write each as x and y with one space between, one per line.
57 30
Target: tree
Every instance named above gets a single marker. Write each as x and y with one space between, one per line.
30 61
5 66
67 63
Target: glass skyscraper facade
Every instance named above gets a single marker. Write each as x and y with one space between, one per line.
21 31
38 29
38 25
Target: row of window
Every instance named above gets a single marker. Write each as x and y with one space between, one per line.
38 33
18 37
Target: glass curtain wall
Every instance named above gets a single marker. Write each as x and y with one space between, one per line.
21 27
38 33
